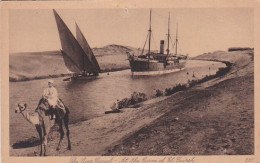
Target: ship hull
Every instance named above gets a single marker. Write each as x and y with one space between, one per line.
154 67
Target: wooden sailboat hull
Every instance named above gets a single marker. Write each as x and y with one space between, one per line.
154 67
81 77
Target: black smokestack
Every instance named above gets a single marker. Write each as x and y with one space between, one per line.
162 46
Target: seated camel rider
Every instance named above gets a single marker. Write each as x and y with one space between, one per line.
51 95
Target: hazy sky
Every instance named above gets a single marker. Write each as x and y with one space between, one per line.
200 30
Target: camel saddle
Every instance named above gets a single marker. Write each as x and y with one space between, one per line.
60 105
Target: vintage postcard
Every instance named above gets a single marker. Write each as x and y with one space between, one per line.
130 81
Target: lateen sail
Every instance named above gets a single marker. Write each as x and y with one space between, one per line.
84 44
70 64
75 58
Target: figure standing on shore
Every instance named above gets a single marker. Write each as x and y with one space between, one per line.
115 105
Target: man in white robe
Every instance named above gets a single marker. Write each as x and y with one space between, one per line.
51 95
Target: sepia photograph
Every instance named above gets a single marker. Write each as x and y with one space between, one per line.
131 82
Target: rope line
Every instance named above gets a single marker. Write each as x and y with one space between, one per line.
144 44
173 45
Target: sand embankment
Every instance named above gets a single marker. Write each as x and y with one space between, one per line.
216 117
50 64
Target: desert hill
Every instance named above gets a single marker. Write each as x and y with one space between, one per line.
38 65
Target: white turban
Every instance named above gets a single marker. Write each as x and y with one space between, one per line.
50 81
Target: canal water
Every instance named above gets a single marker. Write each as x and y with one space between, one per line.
88 99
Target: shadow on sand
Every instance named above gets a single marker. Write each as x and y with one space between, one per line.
31 142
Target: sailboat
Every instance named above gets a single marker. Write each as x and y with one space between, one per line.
76 52
157 63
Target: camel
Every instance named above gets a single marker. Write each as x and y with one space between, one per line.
43 122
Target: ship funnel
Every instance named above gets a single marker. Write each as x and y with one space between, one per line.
162 46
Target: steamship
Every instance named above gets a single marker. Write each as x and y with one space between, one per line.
153 63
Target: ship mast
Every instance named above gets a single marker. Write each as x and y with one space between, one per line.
168 36
176 40
150 32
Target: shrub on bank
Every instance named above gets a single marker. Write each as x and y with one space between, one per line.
219 73
177 88
159 93
135 98
222 71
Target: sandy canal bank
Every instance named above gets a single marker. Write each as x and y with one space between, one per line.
215 117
